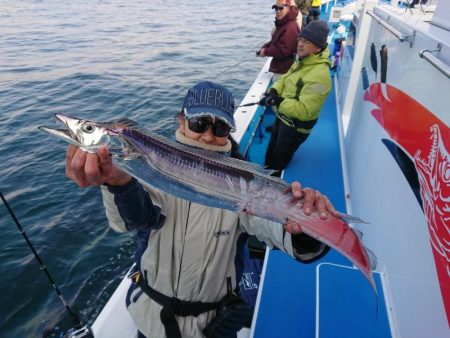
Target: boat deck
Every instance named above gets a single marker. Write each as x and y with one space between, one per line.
327 298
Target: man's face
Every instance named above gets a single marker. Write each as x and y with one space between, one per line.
207 136
306 48
281 11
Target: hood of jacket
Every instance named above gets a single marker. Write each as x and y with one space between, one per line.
292 15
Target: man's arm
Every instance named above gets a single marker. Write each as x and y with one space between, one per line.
130 207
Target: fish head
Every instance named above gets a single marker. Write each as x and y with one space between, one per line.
83 133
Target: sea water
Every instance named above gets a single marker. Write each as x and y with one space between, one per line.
100 60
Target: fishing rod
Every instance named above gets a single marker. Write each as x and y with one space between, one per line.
244 59
78 331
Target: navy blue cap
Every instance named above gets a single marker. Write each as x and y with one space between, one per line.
210 99
316 32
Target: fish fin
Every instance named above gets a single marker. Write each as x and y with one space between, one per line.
270 172
372 258
204 154
358 233
126 122
351 219
215 156
238 164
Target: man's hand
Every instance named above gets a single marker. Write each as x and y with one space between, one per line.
262 102
87 169
260 53
271 98
313 200
274 101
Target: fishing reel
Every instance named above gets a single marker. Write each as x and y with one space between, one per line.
83 332
76 332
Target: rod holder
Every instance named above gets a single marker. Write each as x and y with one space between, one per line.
435 61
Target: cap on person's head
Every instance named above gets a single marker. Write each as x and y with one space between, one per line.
316 32
282 3
210 99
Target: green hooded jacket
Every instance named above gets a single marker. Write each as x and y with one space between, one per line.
304 88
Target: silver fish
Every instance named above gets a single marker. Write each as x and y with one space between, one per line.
212 179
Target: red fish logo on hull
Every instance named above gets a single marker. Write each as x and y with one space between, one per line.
427 141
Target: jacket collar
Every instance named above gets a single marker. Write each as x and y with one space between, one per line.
321 57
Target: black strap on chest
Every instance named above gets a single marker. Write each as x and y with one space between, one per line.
172 306
297 123
299 87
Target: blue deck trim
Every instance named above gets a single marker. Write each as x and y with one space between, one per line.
289 290
253 135
357 306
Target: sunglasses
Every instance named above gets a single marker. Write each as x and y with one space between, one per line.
278 8
201 124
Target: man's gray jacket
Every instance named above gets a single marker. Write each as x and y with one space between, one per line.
188 251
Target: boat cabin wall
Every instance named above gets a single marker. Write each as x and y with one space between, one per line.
441 17
397 146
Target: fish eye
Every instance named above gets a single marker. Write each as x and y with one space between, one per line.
88 128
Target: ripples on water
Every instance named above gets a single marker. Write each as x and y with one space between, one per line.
103 60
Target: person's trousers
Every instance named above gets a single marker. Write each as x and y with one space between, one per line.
314 14
283 143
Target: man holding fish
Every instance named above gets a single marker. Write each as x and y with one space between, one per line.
185 270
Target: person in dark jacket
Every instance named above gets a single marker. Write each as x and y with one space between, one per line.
283 45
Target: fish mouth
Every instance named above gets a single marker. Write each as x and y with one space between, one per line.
65 133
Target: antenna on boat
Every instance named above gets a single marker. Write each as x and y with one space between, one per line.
79 330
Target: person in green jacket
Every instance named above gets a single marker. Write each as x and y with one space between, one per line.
298 96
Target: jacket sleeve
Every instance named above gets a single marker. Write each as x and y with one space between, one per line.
302 247
282 47
130 207
280 83
307 249
310 101
311 98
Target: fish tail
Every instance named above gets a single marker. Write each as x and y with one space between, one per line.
336 233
